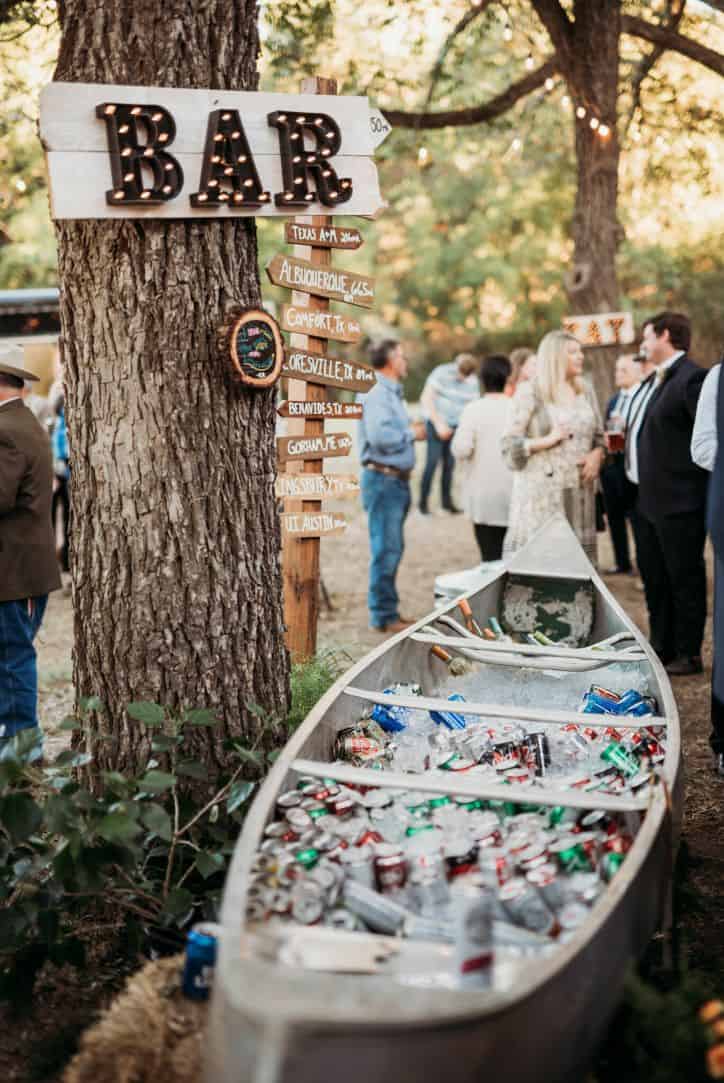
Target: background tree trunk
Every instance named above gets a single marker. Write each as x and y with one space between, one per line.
175 552
592 284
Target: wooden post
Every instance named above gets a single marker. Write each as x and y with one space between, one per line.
300 556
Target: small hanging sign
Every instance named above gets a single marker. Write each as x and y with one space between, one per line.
602 328
300 274
316 486
256 347
350 411
327 446
322 236
307 321
314 525
328 371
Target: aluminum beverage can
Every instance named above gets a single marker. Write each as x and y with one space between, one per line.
391 719
616 755
379 912
451 719
357 865
537 747
390 868
307 902
474 938
495 866
604 693
546 880
288 800
200 960
526 907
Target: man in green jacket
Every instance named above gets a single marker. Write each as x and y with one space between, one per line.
28 565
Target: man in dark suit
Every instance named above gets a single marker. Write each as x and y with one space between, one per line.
671 504
616 489
28 565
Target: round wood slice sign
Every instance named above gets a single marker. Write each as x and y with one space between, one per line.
257 349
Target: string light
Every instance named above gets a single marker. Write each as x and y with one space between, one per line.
549 83
423 156
529 62
594 122
604 131
565 100
508 33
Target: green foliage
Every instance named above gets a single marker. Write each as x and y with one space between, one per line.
154 847
310 680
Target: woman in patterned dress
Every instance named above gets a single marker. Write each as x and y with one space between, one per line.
555 445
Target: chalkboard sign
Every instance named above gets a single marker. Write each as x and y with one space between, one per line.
256 348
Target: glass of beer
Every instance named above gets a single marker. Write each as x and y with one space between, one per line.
615 433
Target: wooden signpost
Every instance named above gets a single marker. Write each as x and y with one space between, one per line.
308 321
602 328
312 525
325 446
310 370
317 368
301 274
316 486
351 411
322 236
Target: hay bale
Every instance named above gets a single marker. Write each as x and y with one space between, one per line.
150 1033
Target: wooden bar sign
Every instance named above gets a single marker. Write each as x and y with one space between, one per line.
337 285
312 524
327 446
322 236
308 321
349 411
316 486
328 371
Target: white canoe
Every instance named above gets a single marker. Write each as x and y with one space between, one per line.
272 1022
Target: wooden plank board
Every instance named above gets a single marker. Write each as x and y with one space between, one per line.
462 784
308 321
318 524
69 199
322 236
499 710
331 282
350 411
328 445
328 371
68 120
316 486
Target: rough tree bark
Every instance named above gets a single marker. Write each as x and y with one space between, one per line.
176 574
590 66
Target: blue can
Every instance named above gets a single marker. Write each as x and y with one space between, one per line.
450 719
200 960
632 702
593 703
391 719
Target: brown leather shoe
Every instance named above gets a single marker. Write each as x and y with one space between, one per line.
393 627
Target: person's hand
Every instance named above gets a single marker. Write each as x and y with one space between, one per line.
419 430
591 466
557 435
443 431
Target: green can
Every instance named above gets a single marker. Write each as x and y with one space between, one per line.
307 858
610 864
416 830
438 802
617 755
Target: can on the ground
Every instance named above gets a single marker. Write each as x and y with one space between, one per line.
198 973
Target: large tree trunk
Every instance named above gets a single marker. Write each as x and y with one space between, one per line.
593 78
175 549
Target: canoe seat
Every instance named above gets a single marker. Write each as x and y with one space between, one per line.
563 609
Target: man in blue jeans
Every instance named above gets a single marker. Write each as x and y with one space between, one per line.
387 455
28 566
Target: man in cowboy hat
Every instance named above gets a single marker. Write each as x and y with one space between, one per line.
28 565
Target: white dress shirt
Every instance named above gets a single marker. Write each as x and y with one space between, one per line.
704 436
639 413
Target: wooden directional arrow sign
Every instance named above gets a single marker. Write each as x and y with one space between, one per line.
329 445
350 411
328 371
320 324
322 236
315 525
300 274
316 486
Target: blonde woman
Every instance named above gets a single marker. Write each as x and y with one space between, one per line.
555 446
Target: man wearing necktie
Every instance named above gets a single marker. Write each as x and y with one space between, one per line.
671 503
616 488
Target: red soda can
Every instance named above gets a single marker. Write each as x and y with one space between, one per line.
495 865
390 868
604 693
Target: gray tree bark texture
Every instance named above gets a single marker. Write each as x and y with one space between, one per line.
175 534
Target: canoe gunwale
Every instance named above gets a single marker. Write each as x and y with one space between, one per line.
581 654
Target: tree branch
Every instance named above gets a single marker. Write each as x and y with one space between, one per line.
475 114
556 22
670 39
675 13
470 15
